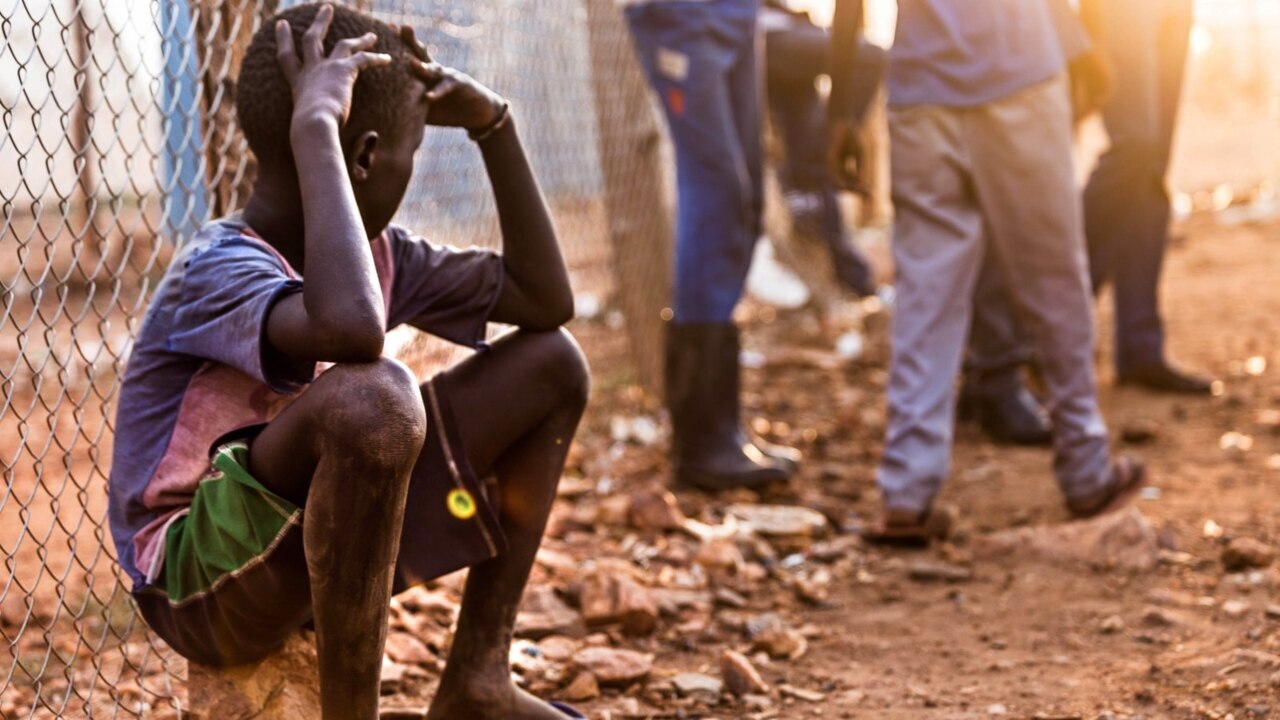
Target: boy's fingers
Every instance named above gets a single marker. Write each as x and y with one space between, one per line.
351 46
410 38
442 88
313 40
285 54
364 60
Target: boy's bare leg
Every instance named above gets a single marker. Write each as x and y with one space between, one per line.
344 452
518 406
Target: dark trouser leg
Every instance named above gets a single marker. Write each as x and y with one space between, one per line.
994 393
344 451
1126 201
518 405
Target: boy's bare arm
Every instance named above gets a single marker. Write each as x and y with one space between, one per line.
536 293
339 314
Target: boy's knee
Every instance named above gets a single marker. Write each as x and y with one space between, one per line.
375 405
564 366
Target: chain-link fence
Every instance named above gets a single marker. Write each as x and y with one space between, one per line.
119 141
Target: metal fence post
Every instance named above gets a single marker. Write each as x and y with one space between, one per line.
640 225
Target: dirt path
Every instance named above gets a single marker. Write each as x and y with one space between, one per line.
1023 638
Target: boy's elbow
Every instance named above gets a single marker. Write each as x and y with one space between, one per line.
559 312
354 342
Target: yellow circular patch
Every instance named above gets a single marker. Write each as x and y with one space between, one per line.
462 505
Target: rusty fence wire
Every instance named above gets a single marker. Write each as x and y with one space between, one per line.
119 142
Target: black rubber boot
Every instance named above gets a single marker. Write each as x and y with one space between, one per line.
710 448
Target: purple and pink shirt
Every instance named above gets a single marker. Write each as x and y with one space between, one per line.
201 369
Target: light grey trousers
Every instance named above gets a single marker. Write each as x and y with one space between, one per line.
998 176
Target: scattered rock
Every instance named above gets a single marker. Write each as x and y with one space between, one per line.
1111 625
781 643
1273 612
583 687
655 508
283 686
392 676
779 520
1122 539
614 667
720 554
725 597
1246 554
409 650
609 598
1139 432
698 687
402 713
543 613
1158 617
997 709
740 675
801 694
927 572
1235 608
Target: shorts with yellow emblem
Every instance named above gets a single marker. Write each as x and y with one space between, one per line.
234 583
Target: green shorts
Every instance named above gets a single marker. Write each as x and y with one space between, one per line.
234 582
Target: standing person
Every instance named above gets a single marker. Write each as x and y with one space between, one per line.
980 124
1127 201
700 58
796 54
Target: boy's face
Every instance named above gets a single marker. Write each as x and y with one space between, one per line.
379 194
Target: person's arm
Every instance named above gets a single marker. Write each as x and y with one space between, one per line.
1091 73
338 316
1094 21
845 148
535 292
846 30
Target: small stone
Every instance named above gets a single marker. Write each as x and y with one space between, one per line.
698 687
756 702
779 520
781 643
607 599
655 508
927 572
719 554
1157 617
724 597
1246 554
1111 625
402 713
1235 608
811 696
557 648
392 676
543 613
1115 540
997 709
409 650
614 667
740 675
1139 432
583 687
1273 612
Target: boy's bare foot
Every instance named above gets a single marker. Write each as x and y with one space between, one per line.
490 701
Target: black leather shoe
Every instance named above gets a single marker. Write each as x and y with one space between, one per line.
1013 418
1163 377
710 448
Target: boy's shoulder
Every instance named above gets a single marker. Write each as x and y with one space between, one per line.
222 243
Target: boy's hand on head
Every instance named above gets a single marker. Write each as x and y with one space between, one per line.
455 98
322 85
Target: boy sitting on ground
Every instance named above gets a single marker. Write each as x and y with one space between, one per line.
251 494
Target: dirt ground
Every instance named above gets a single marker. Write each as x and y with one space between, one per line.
1014 634
1023 637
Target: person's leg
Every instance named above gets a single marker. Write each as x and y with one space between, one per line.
1023 171
993 392
937 249
344 451
518 406
700 58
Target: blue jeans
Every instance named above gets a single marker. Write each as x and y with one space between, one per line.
700 57
1126 202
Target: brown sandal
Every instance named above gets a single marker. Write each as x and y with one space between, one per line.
1126 480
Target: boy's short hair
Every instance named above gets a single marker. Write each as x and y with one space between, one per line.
264 102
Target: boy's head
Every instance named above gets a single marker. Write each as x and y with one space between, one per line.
384 128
